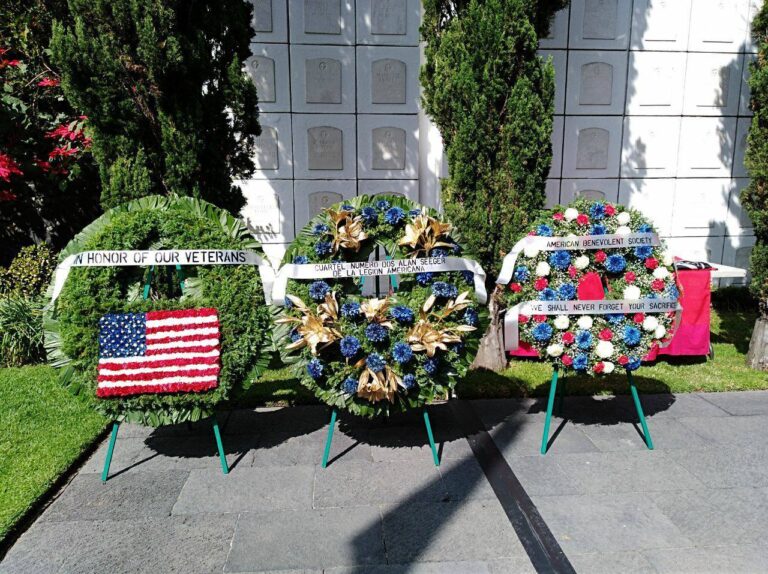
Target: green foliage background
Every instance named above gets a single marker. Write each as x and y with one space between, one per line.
72 326
170 108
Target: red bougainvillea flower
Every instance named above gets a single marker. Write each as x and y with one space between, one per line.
568 338
8 167
657 285
638 318
572 272
567 360
515 287
539 318
599 367
582 219
630 277
49 82
609 209
605 335
6 195
623 360
62 151
600 256
651 263
522 318
540 283
558 216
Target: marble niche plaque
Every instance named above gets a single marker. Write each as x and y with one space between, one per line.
269 21
268 209
600 19
600 24
388 148
322 16
388 81
387 77
267 68
596 82
267 156
389 17
312 196
592 148
325 148
262 16
388 22
596 86
273 148
261 69
323 81
320 200
322 21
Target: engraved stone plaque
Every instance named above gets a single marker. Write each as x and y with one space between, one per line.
262 72
262 214
388 148
592 194
262 15
267 149
323 81
592 149
321 200
325 150
322 16
596 85
388 81
389 17
721 77
600 19
742 257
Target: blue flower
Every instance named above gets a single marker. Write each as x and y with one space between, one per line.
424 278
402 314
409 381
349 345
320 229
566 292
542 332
401 352
300 259
547 294
522 273
349 386
431 365
370 215
438 252
615 318
584 340
633 364
672 292
580 362
469 277
544 230
560 259
597 229
470 317
394 215
643 251
350 310
615 263
294 335
318 290
288 304
443 289
644 228
414 212
597 211
375 332
375 362
347 207
631 335
383 205
315 368
323 247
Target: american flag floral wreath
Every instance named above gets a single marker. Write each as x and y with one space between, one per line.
589 251
401 346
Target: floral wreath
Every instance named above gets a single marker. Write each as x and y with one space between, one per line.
593 344
402 347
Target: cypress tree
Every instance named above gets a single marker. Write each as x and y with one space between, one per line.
169 106
492 98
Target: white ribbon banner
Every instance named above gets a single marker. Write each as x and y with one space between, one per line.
163 257
611 241
594 307
377 268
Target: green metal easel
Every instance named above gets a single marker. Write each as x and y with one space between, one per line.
116 424
334 414
551 403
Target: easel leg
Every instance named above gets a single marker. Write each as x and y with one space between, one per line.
110 450
640 413
431 438
220 446
560 396
550 405
329 439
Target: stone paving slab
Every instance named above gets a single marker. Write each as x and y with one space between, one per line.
741 403
741 430
612 563
283 448
464 479
727 467
741 559
667 434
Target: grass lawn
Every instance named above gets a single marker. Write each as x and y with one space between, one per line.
43 429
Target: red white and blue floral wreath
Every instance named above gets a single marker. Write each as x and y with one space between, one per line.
590 251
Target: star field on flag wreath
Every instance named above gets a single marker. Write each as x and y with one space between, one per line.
590 287
392 349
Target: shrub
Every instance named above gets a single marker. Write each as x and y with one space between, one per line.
21 331
29 273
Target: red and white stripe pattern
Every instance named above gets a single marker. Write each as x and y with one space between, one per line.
178 351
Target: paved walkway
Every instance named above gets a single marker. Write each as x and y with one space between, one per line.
698 503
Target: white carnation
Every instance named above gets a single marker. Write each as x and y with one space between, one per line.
661 273
604 349
584 322
667 258
531 251
608 367
623 218
562 322
581 262
631 292
650 323
542 269
623 230
555 350
571 214
660 331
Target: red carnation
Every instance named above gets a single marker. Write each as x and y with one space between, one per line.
516 287
609 209
540 283
539 318
568 338
600 256
558 216
8 167
572 271
522 318
567 360
531 233
638 318
605 335
657 285
651 263
599 367
48 83
630 277
623 360
582 219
